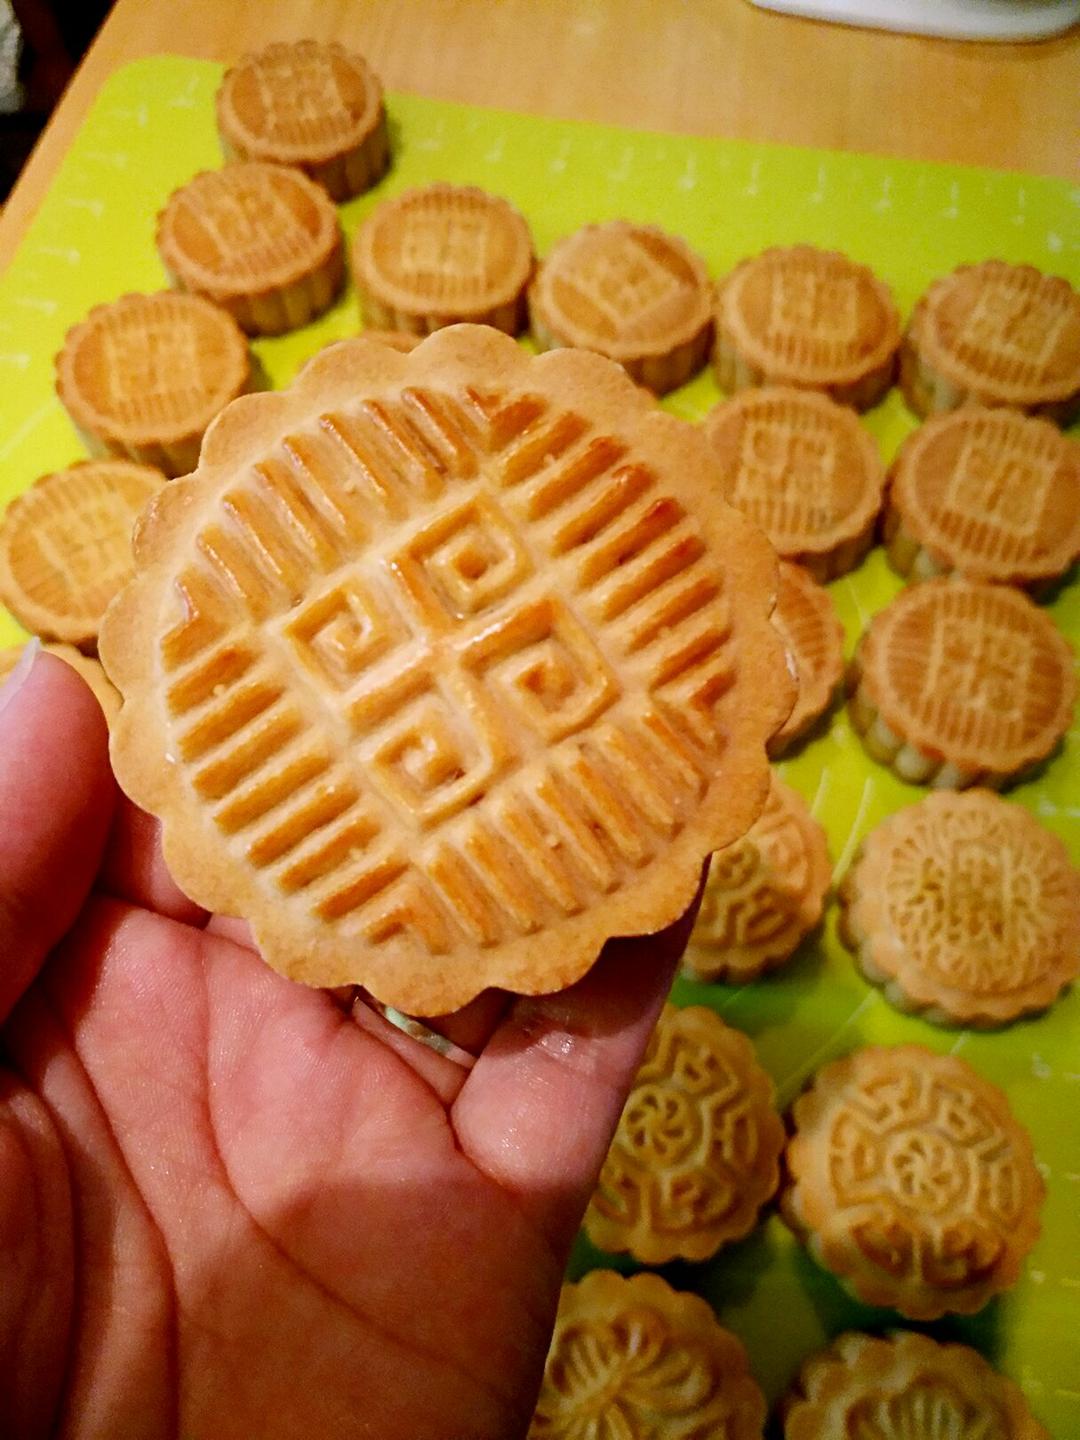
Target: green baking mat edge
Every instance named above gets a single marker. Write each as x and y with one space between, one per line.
152 127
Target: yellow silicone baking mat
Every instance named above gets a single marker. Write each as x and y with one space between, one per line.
152 127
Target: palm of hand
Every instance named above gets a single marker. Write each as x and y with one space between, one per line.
226 1210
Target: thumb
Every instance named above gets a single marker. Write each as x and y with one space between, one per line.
56 803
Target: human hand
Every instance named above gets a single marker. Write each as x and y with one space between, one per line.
227 1209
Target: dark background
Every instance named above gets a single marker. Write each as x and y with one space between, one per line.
55 36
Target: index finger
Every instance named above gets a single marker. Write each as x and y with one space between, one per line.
538 1111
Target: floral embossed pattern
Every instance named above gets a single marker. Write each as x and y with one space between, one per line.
905 1387
633 1359
964 908
697 1150
763 893
911 1181
439 673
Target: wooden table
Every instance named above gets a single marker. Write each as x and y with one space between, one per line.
711 67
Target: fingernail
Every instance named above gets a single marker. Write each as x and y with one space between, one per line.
17 679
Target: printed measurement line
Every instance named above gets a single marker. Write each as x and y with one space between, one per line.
852 841
796 1077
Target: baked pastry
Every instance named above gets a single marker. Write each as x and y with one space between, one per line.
912 1181
65 546
763 893
809 318
814 638
805 470
312 105
634 1358
400 340
992 494
143 376
905 1386
460 673
445 253
697 1151
994 334
957 682
965 909
84 665
630 292
262 241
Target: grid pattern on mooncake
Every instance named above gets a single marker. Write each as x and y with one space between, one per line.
994 334
958 682
261 240
805 470
990 493
454 682
911 1180
444 253
631 292
965 909
697 1151
763 893
814 638
65 546
313 105
808 318
144 375
905 1386
85 666
633 1358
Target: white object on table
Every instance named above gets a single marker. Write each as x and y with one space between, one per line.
957 19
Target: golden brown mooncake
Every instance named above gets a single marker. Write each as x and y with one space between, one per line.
814 638
697 1151
990 494
143 376
400 340
630 292
763 894
965 909
994 334
84 666
65 546
799 316
262 241
905 1386
313 105
912 1181
633 1358
958 682
441 254
439 672
805 470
